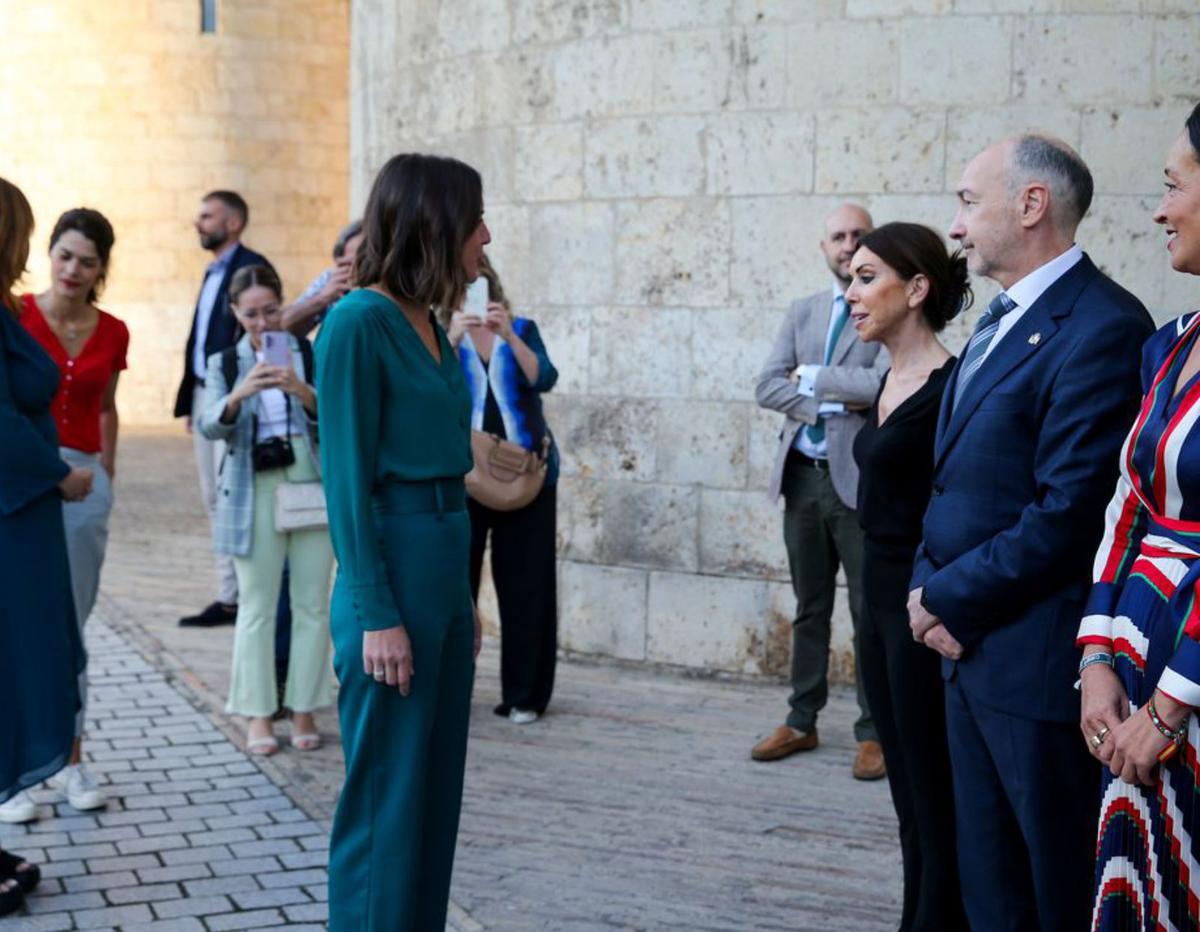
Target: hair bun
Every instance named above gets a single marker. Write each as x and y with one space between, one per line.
959 295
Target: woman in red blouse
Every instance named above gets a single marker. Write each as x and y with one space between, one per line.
89 347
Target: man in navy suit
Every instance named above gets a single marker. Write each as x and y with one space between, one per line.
220 222
1025 460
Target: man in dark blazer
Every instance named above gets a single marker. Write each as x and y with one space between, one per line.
821 377
1025 460
220 223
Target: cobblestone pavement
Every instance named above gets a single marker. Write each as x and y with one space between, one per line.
194 836
633 805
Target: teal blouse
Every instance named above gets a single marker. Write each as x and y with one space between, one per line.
388 411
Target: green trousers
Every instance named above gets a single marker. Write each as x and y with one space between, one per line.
820 533
396 826
252 688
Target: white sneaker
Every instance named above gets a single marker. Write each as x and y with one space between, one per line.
21 808
522 716
79 787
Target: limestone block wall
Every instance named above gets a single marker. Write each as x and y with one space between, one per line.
128 108
656 175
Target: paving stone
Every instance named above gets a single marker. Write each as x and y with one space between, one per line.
261 899
154 843
129 862
42 902
221 885
176 872
274 846
82 882
256 919
194 855
144 893
295 878
238 866
112 917
212 905
189 924
312 912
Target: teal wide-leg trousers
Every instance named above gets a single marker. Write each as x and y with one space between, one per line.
396 826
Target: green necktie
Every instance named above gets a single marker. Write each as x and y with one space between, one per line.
841 314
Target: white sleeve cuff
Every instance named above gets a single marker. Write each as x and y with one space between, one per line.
806 382
1179 687
1095 626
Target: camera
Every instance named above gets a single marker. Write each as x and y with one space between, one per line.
274 453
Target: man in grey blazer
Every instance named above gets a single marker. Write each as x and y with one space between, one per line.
822 378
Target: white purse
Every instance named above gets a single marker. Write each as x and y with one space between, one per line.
300 506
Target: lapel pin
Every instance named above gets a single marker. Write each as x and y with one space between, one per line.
1035 339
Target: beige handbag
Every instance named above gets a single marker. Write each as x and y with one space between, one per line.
300 506
506 475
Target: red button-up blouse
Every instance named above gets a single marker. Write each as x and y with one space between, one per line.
82 380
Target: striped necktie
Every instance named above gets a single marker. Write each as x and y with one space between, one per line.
837 323
985 332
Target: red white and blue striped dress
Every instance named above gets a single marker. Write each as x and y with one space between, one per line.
1144 606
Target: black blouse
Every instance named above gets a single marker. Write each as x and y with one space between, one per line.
895 463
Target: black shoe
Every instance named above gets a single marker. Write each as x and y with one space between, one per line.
15 867
216 614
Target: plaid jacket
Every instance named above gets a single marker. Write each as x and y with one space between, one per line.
233 524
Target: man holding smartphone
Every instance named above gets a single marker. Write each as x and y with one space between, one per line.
220 222
821 377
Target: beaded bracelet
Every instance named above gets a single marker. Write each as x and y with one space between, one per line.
1173 736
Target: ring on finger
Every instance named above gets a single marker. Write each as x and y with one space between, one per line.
1098 738
380 674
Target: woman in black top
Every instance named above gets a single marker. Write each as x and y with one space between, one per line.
905 288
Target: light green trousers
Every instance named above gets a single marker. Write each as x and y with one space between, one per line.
252 687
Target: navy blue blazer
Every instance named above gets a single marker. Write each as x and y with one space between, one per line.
223 329
1024 465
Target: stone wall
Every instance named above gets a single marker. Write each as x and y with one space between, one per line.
126 107
656 175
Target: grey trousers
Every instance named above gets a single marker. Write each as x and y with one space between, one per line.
86 526
820 534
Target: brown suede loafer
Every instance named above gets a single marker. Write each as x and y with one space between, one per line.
783 741
868 763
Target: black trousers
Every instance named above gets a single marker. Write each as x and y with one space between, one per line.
903 682
523 571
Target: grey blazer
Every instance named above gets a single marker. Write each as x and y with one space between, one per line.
233 523
853 377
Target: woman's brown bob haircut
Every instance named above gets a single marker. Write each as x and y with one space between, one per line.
16 226
420 213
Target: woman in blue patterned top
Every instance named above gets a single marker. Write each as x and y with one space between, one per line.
507 369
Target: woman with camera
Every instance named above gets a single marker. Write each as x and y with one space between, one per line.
396 419
259 399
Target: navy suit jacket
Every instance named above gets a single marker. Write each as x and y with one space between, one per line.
1024 465
223 329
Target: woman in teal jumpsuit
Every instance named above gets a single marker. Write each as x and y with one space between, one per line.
394 414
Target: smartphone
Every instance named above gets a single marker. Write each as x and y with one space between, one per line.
477 298
276 351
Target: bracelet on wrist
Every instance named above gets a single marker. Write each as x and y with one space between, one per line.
1098 657
1174 736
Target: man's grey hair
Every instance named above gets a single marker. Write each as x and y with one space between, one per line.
1058 166
349 231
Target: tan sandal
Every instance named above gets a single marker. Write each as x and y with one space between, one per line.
306 741
263 747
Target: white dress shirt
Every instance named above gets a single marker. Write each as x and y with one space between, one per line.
1025 292
209 293
806 385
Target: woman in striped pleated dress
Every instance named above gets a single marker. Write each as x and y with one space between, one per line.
1140 670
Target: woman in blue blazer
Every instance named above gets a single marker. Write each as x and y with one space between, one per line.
507 369
43 655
